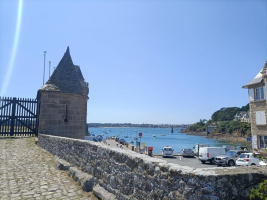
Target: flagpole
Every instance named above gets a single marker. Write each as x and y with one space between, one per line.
49 68
44 68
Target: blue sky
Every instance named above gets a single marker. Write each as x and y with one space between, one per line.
146 61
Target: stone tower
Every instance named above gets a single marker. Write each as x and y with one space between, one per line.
63 101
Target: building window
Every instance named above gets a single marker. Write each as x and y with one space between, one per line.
263 142
260 94
260 118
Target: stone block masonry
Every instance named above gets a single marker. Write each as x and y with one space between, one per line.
53 113
129 175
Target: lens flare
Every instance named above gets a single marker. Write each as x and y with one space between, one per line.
14 50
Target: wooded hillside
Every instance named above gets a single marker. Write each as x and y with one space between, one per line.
223 119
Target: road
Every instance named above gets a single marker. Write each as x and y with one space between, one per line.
186 161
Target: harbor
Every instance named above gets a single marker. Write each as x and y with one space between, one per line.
154 137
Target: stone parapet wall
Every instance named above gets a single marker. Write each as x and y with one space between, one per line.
53 113
129 175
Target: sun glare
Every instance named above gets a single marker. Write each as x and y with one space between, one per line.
14 50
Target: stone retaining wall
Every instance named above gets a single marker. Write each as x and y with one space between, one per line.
129 175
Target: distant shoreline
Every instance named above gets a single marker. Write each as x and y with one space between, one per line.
228 137
197 133
131 127
217 136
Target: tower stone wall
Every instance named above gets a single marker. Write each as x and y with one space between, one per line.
62 114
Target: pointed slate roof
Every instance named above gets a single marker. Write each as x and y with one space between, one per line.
64 78
79 72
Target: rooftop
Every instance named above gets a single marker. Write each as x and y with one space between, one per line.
258 78
65 77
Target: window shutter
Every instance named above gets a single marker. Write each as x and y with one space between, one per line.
263 117
258 115
250 94
260 118
254 142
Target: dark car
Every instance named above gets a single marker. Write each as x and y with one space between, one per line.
228 159
122 141
241 148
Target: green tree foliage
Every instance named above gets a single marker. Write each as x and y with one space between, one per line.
224 118
199 126
225 114
260 193
243 128
245 108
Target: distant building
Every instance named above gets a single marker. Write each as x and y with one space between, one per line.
242 116
63 101
258 108
210 129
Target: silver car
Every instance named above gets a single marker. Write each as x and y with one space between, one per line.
188 152
229 159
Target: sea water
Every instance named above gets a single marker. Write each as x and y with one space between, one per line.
176 140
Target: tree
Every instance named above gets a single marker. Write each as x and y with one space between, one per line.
260 193
225 114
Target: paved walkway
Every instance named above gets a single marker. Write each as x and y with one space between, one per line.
29 172
112 143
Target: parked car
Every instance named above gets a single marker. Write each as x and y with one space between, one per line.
122 141
244 148
229 159
263 162
167 152
247 159
229 147
188 152
209 153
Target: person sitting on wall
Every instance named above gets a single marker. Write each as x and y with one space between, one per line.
117 145
121 147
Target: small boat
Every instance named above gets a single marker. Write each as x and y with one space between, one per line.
135 138
131 141
126 136
122 131
135 130
163 134
153 135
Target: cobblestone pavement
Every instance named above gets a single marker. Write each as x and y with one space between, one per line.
29 172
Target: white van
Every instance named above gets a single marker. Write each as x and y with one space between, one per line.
208 153
197 146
